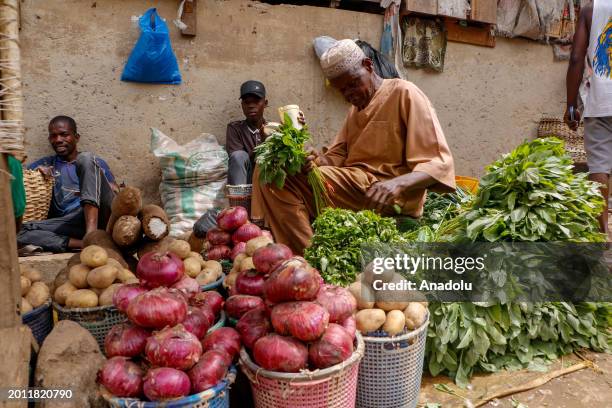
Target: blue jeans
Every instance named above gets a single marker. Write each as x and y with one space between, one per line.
240 168
53 234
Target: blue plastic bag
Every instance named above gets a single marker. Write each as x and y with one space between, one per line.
152 59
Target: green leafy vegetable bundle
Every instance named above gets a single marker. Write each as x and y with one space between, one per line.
338 235
530 194
282 154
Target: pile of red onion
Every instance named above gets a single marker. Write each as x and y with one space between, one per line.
166 350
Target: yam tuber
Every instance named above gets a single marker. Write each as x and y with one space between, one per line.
127 202
127 230
155 222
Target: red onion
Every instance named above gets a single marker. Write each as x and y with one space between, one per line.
237 305
350 325
339 302
335 346
210 299
188 286
232 218
196 322
305 321
238 248
250 283
124 295
224 339
156 269
173 347
158 308
266 233
278 353
245 233
218 253
121 377
253 325
217 236
233 291
292 279
209 371
266 258
125 340
166 383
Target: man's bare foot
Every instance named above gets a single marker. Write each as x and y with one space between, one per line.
75 243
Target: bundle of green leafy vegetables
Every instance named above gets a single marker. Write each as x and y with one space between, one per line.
335 248
530 194
282 154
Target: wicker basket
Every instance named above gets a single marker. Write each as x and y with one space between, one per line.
39 192
40 321
215 397
550 125
387 360
98 320
240 195
333 387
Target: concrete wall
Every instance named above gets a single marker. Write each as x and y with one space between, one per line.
73 52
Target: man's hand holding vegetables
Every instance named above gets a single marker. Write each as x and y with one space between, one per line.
390 149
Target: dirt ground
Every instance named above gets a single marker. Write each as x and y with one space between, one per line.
584 388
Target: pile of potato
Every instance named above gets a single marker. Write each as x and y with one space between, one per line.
34 292
196 267
393 317
94 281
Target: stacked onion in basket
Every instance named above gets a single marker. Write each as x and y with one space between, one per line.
286 316
164 351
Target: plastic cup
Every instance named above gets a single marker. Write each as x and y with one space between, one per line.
293 111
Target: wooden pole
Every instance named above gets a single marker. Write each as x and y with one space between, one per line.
14 337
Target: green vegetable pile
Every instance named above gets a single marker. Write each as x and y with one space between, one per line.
335 249
529 194
282 154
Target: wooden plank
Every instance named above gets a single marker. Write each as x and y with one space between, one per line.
484 11
190 18
453 8
15 345
10 278
421 6
471 34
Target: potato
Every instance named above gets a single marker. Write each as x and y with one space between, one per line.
238 260
127 230
131 280
180 248
25 285
247 264
94 256
363 294
82 298
415 315
393 299
97 291
395 322
102 277
125 275
256 243
206 276
192 266
38 294
63 291
382 273
230 279
25 306
115 263
196 255
369 320
106 297
31 273
78 276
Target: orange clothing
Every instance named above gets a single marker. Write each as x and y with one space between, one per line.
397 133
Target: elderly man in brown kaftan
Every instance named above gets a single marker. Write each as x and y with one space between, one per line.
390 150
